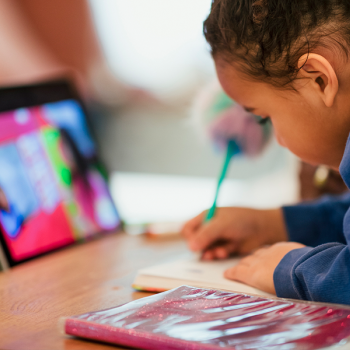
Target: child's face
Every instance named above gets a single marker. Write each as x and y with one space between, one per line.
302 123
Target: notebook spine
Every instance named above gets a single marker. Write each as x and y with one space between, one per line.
129 337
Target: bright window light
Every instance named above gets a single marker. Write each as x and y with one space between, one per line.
155 44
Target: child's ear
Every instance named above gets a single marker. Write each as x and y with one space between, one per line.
322 75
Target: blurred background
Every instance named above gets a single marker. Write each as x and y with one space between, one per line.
138 65
158 46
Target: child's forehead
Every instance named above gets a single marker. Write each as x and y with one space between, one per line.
228 70
232 78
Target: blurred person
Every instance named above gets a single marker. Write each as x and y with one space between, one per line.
42 40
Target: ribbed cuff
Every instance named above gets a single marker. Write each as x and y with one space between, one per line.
283 276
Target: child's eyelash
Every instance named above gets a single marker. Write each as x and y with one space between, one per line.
263 121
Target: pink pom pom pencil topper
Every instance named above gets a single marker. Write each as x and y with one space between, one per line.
223 120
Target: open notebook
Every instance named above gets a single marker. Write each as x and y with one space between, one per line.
191 271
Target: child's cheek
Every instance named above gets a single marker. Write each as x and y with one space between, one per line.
280 140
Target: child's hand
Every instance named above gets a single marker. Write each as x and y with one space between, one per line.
257 269
234 230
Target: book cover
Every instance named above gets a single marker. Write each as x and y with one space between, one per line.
195 318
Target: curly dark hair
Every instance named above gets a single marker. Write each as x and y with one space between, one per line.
266 38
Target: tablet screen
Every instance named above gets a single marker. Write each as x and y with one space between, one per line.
53 190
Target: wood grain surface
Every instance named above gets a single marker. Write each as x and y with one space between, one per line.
88 277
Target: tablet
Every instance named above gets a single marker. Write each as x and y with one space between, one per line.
53 187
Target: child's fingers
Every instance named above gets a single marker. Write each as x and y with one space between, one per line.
208 255
240 273
192 225
205 236
222 251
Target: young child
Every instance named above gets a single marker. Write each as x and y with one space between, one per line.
287 60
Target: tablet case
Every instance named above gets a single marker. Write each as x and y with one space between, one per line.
194 318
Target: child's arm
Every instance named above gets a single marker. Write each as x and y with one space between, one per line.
318 274
298 272
295 271
241 230
317 222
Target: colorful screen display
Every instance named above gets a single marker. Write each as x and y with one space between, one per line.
53 191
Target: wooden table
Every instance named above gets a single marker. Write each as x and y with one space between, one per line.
79 279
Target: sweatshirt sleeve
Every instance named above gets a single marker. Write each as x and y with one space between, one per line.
316 274
317 222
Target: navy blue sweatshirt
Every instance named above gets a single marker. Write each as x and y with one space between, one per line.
320 271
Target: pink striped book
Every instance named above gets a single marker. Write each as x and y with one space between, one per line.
190 318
